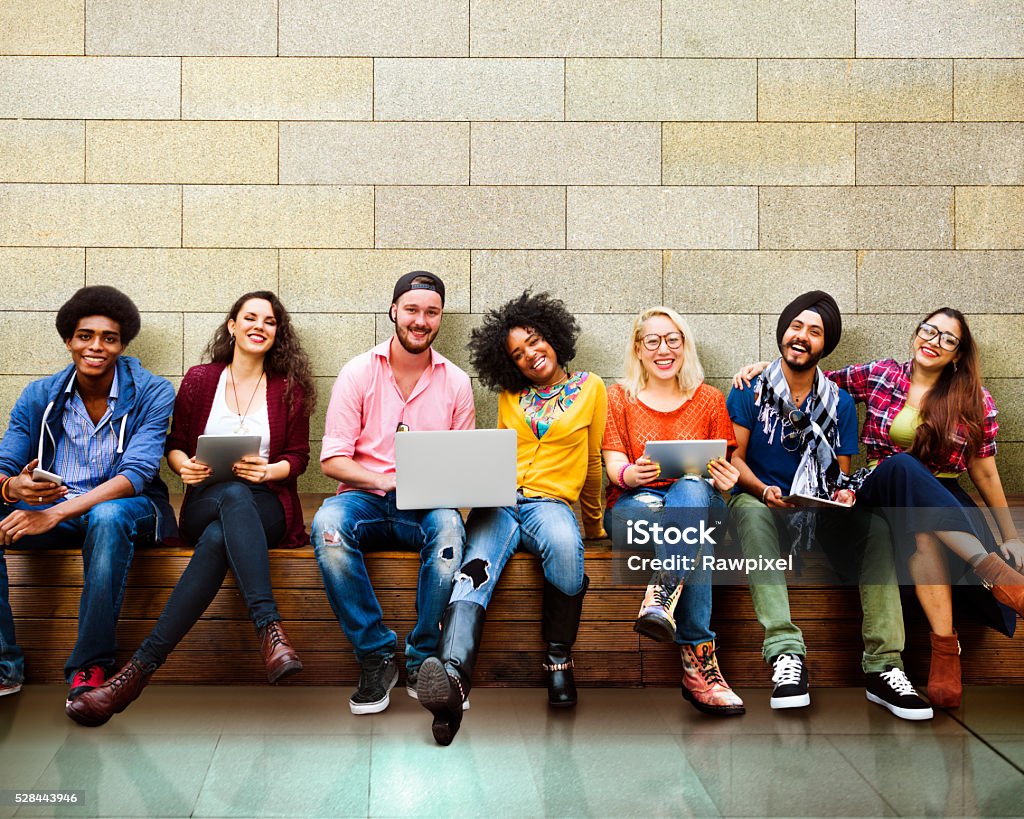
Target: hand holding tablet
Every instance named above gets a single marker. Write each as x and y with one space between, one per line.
219 454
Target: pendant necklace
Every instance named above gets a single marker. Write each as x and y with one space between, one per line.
241 429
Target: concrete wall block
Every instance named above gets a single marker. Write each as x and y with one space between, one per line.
87 215
634 90
42 26
735 153
990 217
909 281
854 90
277 88
90 88
662 217
942 153
332 339
939 28
374 28
181 27
988 90
588 281
375 153
46 276
566 28
1008 393
362 281
221 153
570 153
739 281
182 278
278 216
470 217
441 89
42 150
753 28
882 218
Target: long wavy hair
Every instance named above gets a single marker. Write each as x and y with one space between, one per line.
690 375
955 400
286 357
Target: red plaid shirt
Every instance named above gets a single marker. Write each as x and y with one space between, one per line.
883 387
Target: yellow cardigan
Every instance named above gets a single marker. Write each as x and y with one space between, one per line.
565 463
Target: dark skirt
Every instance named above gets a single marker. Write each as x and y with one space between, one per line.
914 500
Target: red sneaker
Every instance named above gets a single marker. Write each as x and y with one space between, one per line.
86 679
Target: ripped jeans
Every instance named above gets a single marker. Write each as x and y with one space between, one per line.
542 526
689 500
354 522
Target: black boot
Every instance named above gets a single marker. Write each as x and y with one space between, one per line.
560 623
444 682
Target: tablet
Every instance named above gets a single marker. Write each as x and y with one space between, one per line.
685 458
220 452
809 500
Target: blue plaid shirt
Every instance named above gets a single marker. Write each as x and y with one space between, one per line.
86 452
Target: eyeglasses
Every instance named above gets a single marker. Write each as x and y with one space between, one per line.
653 341
927 332
799 423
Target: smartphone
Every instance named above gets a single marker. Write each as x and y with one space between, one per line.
43 475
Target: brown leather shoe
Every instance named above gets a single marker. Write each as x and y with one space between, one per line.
1006 584
278 654
944 686
98 705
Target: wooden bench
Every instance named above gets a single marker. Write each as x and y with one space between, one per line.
222 648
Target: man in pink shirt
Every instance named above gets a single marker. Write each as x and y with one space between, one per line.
402 384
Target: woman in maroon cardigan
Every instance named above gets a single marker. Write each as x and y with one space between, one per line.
259 382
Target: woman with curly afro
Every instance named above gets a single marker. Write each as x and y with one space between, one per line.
259 383
523 350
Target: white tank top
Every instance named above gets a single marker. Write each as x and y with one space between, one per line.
223 421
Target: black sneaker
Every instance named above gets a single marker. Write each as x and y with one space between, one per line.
376 679
789 673
891 689
412 676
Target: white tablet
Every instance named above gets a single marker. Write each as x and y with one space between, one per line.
809 500
685 458
220 452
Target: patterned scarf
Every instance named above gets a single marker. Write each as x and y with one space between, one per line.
812 431
542 406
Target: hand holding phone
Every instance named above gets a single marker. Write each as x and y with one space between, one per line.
41 475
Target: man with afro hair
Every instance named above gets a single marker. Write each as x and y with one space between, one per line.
79 467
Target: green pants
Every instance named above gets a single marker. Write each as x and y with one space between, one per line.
857 534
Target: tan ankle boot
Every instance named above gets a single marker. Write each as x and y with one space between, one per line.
944 686
1006 584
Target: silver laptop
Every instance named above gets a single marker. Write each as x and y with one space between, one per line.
456 469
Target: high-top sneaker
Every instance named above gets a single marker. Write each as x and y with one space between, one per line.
891 689
789 673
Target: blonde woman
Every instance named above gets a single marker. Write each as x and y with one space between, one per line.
664 397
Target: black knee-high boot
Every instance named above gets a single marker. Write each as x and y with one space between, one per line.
444 681
560 623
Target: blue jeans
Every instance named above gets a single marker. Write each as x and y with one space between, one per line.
542 526
107 535
687 501
353 522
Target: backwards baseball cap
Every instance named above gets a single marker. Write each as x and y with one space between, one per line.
407 283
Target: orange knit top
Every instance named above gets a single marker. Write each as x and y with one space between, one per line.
631 424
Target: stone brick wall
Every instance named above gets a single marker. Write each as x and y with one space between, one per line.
716 155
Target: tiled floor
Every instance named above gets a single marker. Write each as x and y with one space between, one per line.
247 752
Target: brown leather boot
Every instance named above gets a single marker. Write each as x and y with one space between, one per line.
1006 584
278 654
98 705
944 686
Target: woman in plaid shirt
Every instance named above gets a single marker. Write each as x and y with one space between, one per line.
928 421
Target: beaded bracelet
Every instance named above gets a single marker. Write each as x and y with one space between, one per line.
622 475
